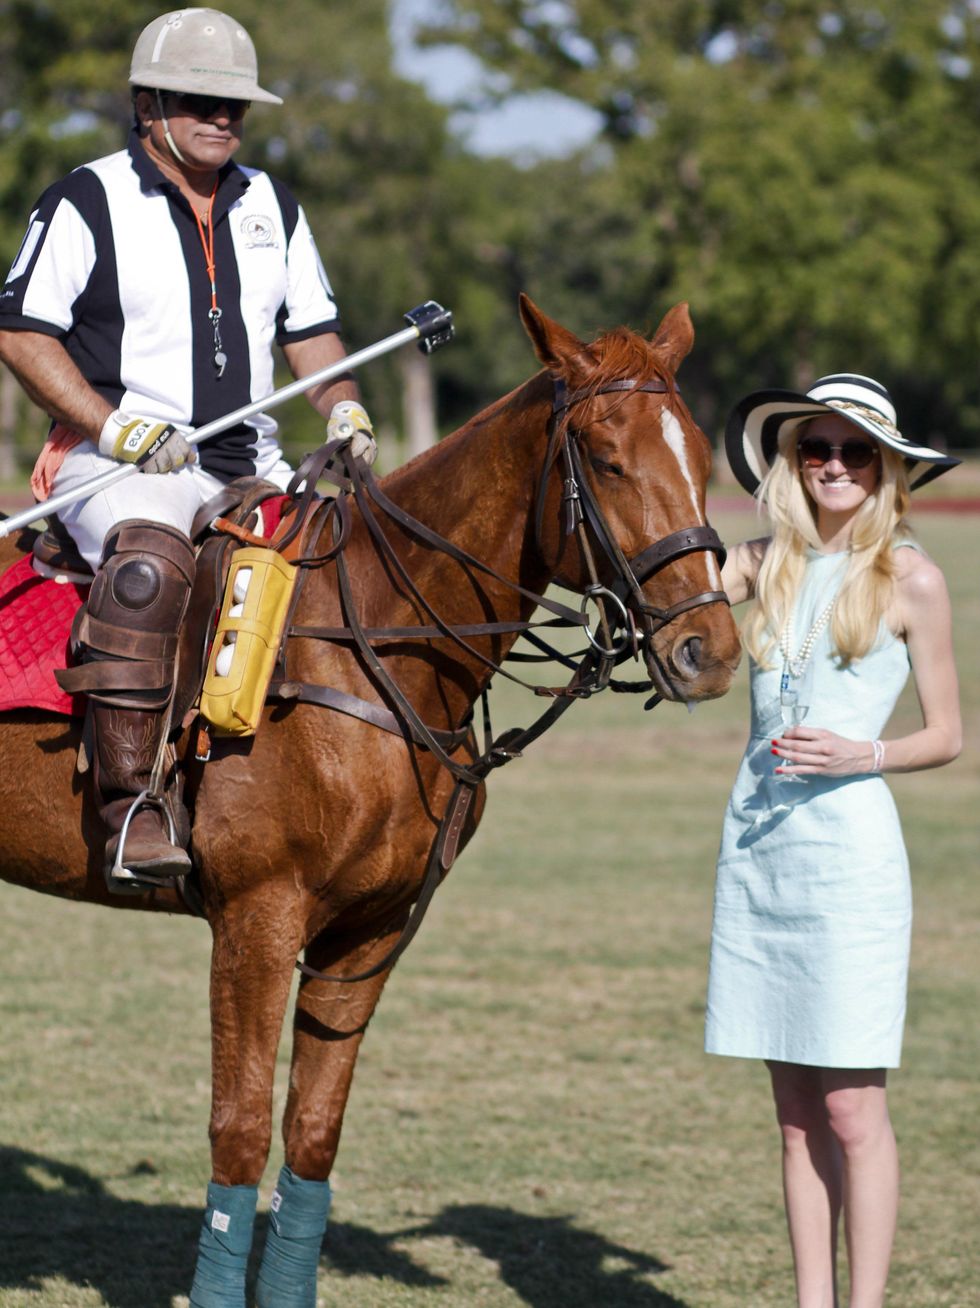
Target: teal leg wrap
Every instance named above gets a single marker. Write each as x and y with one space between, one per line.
297 1221
222 1251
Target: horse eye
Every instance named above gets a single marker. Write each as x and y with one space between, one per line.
601 465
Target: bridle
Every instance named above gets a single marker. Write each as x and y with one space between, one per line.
620 604
581 509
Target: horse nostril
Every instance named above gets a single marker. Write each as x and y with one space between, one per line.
690 654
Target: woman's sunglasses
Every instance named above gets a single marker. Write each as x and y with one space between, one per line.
206 106
815 452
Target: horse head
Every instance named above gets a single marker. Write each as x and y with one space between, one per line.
621 504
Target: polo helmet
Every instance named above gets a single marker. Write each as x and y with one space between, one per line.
200 51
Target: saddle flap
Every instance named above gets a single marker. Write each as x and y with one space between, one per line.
200 619
56 555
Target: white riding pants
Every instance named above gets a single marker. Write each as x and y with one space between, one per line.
172 498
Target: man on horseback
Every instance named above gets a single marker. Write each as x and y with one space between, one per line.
145 301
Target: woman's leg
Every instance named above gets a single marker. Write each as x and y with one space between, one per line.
811 1180
857 1111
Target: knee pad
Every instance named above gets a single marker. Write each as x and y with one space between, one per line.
144 580
127 632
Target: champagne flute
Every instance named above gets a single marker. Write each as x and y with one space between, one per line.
794 705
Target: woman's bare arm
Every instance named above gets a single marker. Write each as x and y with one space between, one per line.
922 613
741 569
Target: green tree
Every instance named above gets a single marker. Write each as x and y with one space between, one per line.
804 172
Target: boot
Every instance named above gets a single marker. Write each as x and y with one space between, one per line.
127 634
126 745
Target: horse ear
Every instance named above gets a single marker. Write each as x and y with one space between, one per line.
556 347
675 336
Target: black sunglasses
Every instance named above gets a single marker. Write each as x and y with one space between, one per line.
815 452
206 106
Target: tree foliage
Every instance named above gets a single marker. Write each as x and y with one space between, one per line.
804 172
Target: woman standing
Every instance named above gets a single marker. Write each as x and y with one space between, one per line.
810 940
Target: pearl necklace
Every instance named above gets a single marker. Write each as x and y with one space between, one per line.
795 665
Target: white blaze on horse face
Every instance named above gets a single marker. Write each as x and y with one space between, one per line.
674 438
676 443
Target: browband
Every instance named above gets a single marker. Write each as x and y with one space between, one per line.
563 400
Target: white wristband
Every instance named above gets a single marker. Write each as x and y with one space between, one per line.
112 430
879 755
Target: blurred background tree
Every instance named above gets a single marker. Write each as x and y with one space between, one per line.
805 174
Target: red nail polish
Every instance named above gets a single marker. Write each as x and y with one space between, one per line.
774 751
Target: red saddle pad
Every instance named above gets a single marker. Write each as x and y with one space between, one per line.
36 614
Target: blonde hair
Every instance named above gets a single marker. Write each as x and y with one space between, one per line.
868 584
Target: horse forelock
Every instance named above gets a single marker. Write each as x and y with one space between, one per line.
620 354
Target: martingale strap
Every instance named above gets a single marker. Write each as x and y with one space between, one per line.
445 846
327 697
441 858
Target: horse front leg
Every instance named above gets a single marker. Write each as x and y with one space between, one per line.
329 1025
256 940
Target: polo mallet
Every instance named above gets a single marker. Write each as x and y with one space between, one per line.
429 324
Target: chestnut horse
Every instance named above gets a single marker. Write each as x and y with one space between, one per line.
313 837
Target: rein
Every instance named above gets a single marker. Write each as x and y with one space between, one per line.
591 668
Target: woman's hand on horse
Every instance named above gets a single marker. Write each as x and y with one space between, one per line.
814 751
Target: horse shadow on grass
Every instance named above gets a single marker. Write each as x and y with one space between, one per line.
59 1221
546 1261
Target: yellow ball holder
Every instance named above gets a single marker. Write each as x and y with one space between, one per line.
232 702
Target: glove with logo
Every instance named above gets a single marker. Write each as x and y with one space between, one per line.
349 421
154 446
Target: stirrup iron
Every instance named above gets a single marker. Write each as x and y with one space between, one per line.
119 878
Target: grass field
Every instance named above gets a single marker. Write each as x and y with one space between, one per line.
533 1121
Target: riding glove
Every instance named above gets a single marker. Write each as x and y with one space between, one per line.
349 421
153 445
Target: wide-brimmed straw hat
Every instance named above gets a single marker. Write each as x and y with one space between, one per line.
757 422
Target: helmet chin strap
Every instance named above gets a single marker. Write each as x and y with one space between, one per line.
171 143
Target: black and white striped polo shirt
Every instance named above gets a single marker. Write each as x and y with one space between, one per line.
112 265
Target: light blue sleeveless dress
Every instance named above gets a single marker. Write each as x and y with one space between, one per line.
813 911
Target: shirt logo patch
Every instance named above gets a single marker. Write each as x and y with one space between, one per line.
259 231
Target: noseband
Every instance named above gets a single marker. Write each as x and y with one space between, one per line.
581 509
